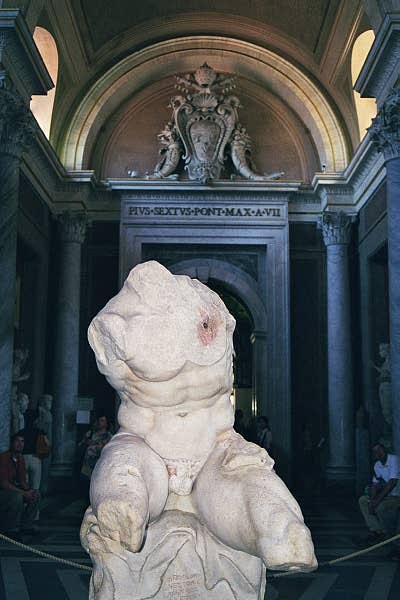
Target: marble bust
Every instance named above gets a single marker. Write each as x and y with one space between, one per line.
181 505
20 405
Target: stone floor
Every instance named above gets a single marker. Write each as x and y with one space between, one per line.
334 526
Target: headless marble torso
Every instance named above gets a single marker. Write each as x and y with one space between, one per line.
165 344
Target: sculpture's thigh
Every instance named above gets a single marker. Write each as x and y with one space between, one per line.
249 508
129 486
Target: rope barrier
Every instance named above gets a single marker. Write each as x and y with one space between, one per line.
64 561
76 565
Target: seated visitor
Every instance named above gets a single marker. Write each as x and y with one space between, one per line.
18 503
382 499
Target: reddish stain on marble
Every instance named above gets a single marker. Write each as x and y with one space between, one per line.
207 329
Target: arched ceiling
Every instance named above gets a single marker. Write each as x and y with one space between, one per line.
261 67
294 53
307 21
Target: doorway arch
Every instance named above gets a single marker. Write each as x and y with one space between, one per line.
234 279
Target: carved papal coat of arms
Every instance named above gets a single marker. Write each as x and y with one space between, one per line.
205 131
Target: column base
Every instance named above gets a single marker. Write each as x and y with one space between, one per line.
341 479
340 473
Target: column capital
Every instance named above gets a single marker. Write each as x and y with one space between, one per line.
72 226
336 227
385 129
17 126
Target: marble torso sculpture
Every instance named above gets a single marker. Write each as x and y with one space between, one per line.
205 131
181 506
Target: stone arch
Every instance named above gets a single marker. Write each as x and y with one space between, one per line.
251 62
233 278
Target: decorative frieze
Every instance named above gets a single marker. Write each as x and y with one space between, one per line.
17 126
72 227
385 128
336 227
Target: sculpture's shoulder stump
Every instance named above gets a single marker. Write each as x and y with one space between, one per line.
180 560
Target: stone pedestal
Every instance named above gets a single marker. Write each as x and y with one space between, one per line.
385 133
72 232
16 130
336 229
180 559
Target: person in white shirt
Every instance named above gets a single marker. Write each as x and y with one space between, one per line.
383 499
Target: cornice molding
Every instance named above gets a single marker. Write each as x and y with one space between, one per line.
382 66
20 57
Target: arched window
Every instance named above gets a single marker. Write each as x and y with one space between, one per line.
366 107
42 106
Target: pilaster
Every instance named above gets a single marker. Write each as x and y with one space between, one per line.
385 133
16 132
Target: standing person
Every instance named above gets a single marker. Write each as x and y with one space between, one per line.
94 440
383 497
18 502
264 434
33 463
309 459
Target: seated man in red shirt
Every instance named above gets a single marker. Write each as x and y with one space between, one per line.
18 503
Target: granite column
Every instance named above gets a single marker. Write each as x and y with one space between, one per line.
16 132
72 232
385 133
336 230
